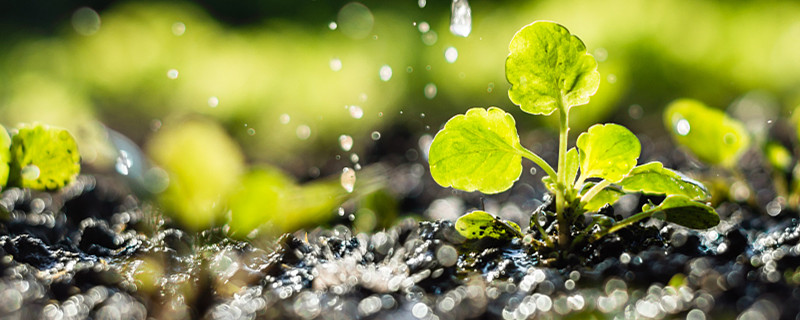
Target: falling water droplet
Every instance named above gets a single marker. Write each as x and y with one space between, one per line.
213 102
424 27
178 28
348 179
385 73
284 118
683 127
172 74
346 142
303 132
356 112
30 172
430 91
332 25
461 18
335 64
422 3
354 158
375 135
451 54
341 212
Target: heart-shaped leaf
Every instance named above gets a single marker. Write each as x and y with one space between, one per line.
43 157
710 134
608 151
653 178
480 224
549 68
686 212
479 150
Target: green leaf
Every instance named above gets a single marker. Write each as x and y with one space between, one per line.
608 151
573 163
653 178
606 196
778 156
477 151
259 199
480 224
549 68
43 157
681 210
711 135
5 156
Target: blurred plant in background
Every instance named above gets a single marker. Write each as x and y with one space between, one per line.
280 82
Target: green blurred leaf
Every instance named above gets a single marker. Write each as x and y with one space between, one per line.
43 157
260 198
710 134
5 156
548 67
653 178
778 156
681 210
477 151
480 224
608 151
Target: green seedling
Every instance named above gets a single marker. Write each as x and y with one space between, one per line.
551 72
38 157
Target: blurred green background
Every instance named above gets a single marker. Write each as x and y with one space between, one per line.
286 79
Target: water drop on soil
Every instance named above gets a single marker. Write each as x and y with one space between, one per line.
422 3
348 179
461 18
346 142
332 25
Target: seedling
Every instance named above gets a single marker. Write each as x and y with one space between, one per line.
551 72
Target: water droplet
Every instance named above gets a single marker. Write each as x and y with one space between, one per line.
355 20
303 132
123 163
172 74
86 21
385 73
422 3
284 118
348 179
356 112
533 170
178 28
375 135
460 18
451 54
429 38
335 64
354 158
683 127
357 167
424 27
346 142
430 91
30 172
251 131
422 115
213 102
341 212
332 25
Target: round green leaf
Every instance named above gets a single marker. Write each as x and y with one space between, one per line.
480 224
681 210
711 135
43 157
602 198
479 150
653 178
5 156
608 151
548 67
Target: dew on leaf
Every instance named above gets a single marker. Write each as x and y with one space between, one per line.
303 132
346 142
461 18
683 127
172 74
178 28
451 54
335 64
385 73
375 135
430 91
30 172
284 118
348 179
213 102
356 112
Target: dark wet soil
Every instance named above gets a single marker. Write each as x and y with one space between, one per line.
94 251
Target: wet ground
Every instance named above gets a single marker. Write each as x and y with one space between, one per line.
94 251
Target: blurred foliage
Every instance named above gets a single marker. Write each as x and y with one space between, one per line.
280 80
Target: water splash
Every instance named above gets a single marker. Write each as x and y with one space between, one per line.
348 179
451 54
31 172
346 142
461 18
356 112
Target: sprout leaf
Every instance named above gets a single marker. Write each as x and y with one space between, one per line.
608 151
653 178
480 224
681 210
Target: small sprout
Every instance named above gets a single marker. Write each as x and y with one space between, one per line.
43 158
550 70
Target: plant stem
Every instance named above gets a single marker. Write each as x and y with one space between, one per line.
561 201
540 162
624 223
593 191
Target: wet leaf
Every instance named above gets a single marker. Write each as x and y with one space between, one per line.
606 196
653 178
5 156
708 133
573 163
477 151
681 210
480 224
549 68
43 157
608 151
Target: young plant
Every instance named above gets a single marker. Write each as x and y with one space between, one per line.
551 72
